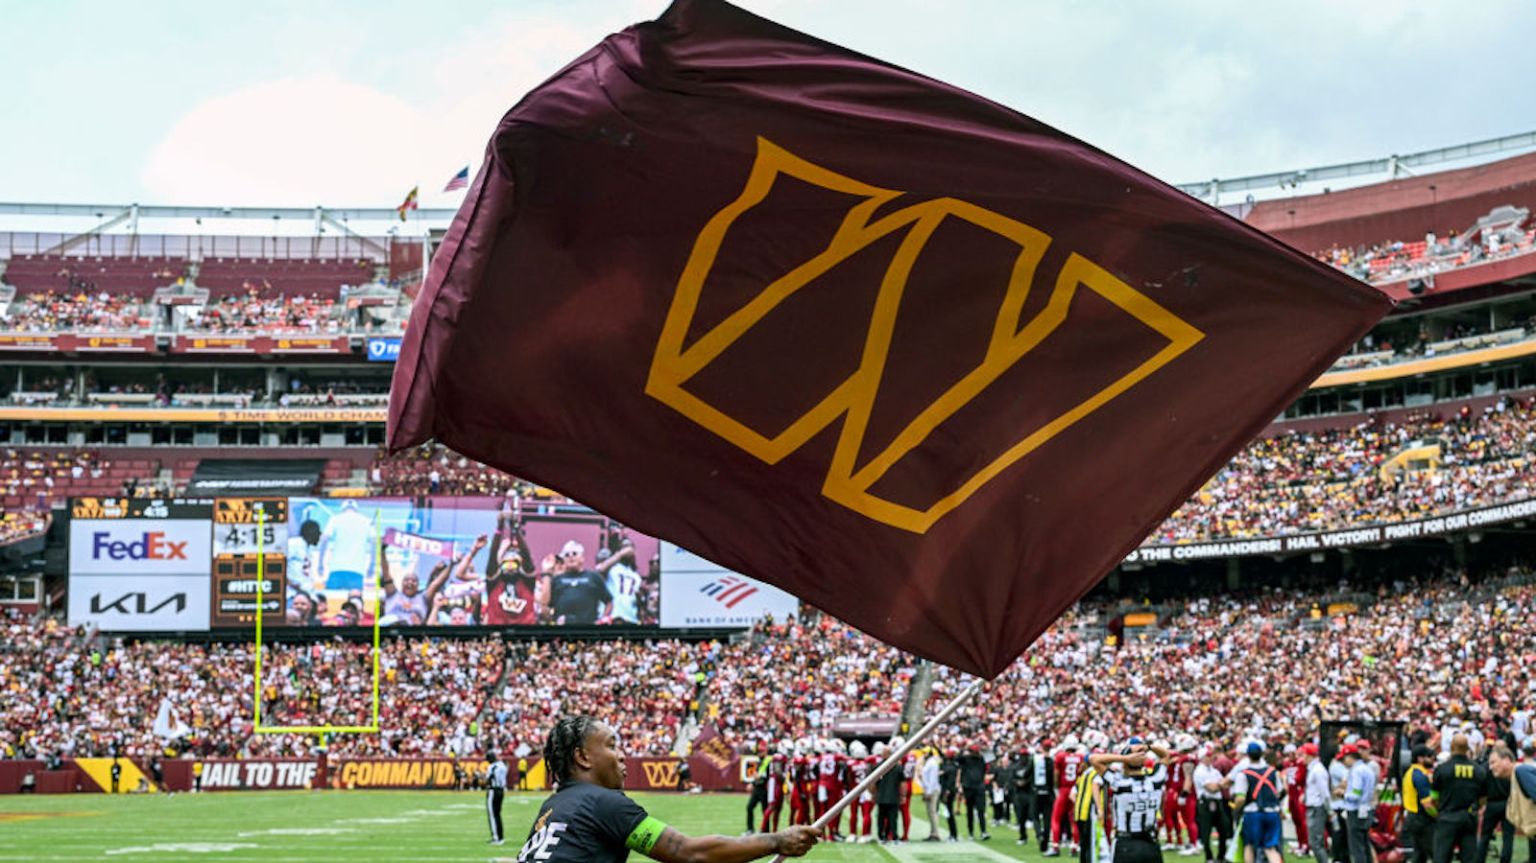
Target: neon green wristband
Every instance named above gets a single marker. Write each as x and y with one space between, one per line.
645 835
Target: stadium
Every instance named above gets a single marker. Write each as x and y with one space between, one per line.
242 621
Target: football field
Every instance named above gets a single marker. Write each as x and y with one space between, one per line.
338 827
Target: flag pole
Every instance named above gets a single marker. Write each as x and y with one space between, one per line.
895 757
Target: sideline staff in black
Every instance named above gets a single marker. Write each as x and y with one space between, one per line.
1460 785
1138 795
495 790
1501 766
588 818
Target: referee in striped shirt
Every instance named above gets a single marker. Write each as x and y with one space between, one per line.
495 790
1137 797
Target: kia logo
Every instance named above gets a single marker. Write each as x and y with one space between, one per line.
140 604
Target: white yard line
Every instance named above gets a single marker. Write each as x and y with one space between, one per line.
918 851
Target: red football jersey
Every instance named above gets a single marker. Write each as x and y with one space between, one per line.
510 602
1067 765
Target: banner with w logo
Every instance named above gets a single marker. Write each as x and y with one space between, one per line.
918 359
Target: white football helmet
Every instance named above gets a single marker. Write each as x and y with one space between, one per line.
857 750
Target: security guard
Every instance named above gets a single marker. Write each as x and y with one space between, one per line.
1419 804
1459 786
1138 794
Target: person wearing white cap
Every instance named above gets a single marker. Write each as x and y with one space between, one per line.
577 595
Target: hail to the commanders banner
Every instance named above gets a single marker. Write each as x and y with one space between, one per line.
926 363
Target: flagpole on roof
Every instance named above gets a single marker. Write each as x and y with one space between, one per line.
895 757
426 249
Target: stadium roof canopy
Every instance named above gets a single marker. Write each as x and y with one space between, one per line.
121 218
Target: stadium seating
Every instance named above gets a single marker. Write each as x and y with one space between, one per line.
137 277
35 479
1294 482
49 311
1414 649
226 277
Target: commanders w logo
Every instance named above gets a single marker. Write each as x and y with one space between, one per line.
853 473
660 774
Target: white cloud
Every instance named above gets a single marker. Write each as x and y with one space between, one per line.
292 142
325 140
1189 89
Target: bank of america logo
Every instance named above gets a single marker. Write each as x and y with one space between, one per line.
728 590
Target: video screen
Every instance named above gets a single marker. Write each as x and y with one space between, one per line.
460 561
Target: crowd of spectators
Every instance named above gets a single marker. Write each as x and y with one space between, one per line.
1293 482
1298 482
29 479
434 469
53 312
279 314
21 524
1266 665
67 693
1445 648
1396 260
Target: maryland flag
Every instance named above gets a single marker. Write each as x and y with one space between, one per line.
921 360
409 203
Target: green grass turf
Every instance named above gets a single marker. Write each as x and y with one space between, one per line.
343 826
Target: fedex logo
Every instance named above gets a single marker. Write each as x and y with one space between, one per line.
153 546
140 547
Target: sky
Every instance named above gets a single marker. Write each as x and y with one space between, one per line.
347 103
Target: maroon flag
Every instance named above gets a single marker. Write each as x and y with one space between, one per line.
921 360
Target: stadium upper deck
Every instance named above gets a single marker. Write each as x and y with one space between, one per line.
146 327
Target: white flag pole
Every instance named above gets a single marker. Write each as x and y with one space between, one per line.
895 757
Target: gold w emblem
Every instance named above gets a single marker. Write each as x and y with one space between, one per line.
848 482
660 774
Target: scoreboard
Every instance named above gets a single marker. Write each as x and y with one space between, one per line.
250 546
123 508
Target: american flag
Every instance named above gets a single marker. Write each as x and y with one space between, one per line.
459 181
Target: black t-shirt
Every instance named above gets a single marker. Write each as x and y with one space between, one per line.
947 771
888 789
1459 784
972 770
1498 792
577 595
583 822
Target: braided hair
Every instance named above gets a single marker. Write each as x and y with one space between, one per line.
569 733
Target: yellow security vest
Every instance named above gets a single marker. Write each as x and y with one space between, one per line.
1086 797
1410 791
